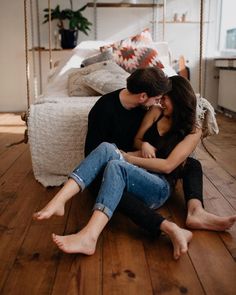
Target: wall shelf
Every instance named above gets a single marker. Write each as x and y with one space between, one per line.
95 5
185 22
47 49
112 5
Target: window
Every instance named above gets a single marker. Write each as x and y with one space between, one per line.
227 42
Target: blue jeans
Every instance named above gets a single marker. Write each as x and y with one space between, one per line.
151 188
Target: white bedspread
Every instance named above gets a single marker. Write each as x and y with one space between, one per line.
57 132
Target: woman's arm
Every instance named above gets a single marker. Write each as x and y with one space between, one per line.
147 150
176 157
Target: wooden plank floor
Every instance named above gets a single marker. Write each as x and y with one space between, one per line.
127 261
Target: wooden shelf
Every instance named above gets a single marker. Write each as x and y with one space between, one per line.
112 5
47 49
186 22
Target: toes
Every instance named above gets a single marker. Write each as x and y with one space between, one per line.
176 256
36 215
184 249
57 241
176 253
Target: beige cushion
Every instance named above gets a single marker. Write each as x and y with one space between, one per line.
110 78
76 85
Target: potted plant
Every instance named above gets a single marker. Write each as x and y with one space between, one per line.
76 22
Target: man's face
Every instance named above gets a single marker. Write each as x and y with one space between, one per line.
154 100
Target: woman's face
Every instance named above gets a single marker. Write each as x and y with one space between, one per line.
166 105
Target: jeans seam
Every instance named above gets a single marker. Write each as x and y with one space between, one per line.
104 209
78 180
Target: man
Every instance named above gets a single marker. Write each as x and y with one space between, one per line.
115 118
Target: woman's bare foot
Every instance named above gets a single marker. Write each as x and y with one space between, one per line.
199 218
179 237
81 242
55 207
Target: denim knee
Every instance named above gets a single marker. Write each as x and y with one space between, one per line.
95 162
110 148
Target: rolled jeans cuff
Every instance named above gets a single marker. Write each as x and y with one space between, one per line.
78 180
104 209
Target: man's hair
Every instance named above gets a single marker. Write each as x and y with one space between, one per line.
151 80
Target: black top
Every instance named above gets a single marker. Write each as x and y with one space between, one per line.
153 137
109 121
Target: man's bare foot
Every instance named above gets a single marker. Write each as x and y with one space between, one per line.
81 242
54 207
179 237
199 218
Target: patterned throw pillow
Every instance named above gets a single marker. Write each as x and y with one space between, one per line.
132 58
110 78
142 39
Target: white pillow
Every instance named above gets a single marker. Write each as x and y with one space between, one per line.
88 48
102 56
108 79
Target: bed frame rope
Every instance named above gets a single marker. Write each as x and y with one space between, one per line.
49 34
200 66
201 47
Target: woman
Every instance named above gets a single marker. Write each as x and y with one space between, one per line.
174 121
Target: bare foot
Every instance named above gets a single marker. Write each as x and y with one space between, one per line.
179 237
54 207
81 242
199 218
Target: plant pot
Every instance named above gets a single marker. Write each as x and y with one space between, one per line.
68 38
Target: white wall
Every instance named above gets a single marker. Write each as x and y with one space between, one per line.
12 60
113 24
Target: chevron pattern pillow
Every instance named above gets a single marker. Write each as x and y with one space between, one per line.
132 58
142 39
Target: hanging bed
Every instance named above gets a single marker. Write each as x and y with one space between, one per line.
57 120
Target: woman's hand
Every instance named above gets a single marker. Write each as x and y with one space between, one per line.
148 151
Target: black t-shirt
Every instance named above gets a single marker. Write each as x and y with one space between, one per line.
109 121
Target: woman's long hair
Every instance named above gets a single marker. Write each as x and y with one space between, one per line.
183 99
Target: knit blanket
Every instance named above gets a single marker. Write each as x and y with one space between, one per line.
57 133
